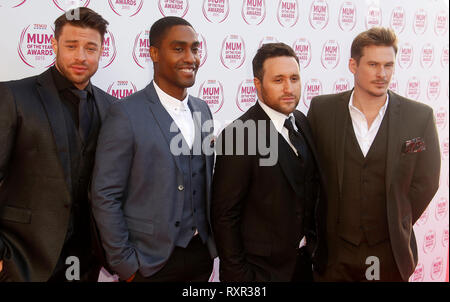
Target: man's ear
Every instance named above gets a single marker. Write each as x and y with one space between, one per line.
258 86
352 65
154 54
55 45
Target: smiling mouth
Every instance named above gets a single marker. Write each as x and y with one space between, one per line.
79 68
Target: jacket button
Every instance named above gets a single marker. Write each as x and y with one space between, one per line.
180 188
177 224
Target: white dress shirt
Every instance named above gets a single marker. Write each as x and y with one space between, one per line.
180 113
364 134
278 119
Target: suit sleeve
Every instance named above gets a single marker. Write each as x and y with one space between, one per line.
232 177
425 181
8 123
113 163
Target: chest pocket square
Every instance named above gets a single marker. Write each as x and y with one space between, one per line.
414 145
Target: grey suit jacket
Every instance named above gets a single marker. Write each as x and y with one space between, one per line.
137 187
412 178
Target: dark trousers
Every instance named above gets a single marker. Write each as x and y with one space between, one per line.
347 262
192 263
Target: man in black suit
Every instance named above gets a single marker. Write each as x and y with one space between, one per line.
48 132
380 156
263 206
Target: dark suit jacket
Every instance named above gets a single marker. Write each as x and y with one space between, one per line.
254 210
137 187
412 179
35 176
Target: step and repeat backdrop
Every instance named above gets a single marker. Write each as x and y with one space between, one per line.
230 31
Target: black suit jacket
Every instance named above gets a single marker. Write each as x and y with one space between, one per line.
254 210
35 176
411 178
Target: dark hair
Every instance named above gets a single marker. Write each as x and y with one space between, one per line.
378 36
87 19
160 28
270 50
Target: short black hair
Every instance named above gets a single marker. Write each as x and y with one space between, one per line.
88 19
270 50
160 28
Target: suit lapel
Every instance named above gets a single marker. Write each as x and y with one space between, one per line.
162 118
102 104
341 120
52 105
394 143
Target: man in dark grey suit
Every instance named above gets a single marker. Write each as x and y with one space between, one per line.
48 133
380 155
152 178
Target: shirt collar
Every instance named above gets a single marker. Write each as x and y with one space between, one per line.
62 83
276 117
381 112
171 102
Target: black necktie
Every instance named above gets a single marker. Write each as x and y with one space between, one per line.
84 116
296 138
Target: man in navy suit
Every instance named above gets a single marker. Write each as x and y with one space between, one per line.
151 182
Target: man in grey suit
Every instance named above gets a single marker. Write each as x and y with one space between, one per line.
151 182
380 155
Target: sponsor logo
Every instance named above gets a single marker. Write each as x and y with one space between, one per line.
121 89
211 91
423 218
433 88
445 237
35 46
216 11
437 266
302 48
418 274
444 148
330 54
441 23
202 49
233 52
420 21
141 49
254 11
444 56
313 87
398 19
319 14
268 39
347 16
178 8
288 12
373 17
109 50
441 208
405 55
393 85
413 88
12 3
246 95
427 56
441 116
126 7
341 85
429 241
65 5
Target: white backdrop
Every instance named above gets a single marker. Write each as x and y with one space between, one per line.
320 31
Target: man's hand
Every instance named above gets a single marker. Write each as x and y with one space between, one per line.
1 265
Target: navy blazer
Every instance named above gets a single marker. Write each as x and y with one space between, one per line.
137 187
